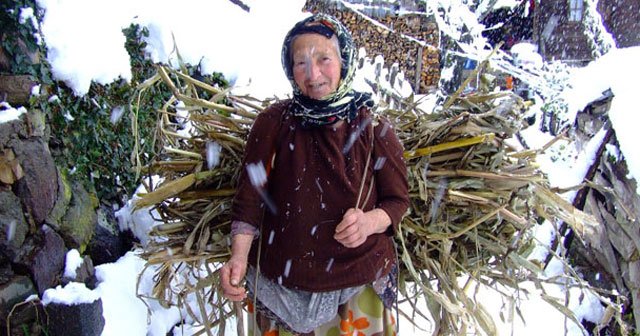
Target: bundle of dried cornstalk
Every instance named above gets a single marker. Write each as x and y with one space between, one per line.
473 200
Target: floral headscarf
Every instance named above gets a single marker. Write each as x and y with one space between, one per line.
342 104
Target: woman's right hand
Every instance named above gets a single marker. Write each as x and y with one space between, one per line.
231 275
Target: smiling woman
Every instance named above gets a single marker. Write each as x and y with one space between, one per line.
316 64
314 238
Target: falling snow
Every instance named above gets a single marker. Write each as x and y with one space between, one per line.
287 268
384 130
11 230
77 66
355 134
318 185
257 174
116 114
272 234
437 199
213 154
379 163
328 268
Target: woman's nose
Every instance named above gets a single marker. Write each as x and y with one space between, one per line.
313 71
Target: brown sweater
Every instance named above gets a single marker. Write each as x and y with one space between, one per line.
312 184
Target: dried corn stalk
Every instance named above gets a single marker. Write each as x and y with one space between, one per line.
473 199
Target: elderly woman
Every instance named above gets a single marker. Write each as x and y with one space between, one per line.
314 239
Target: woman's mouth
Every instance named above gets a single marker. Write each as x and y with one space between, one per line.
317 88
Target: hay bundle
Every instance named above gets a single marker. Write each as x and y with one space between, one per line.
472 198
471 203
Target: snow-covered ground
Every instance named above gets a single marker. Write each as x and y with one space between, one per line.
86 44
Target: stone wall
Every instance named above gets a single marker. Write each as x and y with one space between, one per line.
410 40
44 212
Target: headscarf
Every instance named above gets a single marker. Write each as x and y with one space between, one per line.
344 103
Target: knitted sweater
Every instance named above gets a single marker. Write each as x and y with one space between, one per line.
317 175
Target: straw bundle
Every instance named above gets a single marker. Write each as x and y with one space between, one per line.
472 199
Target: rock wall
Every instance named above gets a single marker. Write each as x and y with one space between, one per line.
45 210
410 40
43 213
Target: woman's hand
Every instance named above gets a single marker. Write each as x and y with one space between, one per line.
234 270
231 274
357 225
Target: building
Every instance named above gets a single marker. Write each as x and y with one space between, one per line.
560 30
622 19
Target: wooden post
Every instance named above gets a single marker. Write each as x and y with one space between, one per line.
416 87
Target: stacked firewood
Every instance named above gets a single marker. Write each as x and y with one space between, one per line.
411 40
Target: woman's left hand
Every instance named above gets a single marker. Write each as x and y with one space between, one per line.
357 225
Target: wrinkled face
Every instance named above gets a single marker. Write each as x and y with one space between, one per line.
316 64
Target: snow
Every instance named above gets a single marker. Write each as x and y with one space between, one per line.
595 30
213 154
72 293
82 49
483 6
567 165
615 71
71 263
35 90
11 230
116 114
9 113
124 316
456 20
526 55
86 44
139 222
91 47
27 15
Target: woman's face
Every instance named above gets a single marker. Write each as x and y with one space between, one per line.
316 64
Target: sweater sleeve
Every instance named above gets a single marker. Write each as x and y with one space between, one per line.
247 203
390 173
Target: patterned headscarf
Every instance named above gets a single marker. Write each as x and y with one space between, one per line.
344 103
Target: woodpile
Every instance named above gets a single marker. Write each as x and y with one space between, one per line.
409 40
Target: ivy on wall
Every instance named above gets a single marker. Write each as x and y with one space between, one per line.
91 135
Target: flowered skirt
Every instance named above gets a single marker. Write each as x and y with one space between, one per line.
362 315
